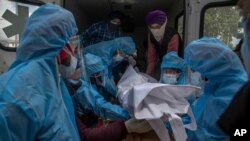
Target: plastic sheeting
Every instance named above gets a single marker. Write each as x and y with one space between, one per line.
157 103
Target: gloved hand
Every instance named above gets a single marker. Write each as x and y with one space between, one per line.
137 126
131 61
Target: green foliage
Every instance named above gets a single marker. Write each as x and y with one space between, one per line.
222 23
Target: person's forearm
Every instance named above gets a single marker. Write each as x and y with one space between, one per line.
151 58
115 131
150 68
173 44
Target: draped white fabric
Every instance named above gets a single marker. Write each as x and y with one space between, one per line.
157 103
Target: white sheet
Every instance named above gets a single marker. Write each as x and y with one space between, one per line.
156 103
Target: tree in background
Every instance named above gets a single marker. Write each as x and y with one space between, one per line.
222 23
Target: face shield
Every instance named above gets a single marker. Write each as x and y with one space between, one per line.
119 64
120 56
74 41
78 51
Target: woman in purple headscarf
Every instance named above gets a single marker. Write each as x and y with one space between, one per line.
161 40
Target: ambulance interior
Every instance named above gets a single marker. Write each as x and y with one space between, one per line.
186 16
87 12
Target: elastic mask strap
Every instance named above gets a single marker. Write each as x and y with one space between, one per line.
58 77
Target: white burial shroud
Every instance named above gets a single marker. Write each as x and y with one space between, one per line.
157 103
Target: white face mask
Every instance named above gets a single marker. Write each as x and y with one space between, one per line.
169 79
118 58
158 33
67 71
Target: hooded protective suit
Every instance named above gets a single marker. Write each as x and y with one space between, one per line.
172 60
225 74
95 65
34 102
106 49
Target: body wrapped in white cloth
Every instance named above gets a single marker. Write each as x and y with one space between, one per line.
157 103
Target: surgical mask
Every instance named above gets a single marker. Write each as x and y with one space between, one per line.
195 79
118 58
67 71
158 33
74 41
198 80
169 79
74 82
245 49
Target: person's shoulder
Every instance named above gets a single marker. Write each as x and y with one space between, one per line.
245 90
100 23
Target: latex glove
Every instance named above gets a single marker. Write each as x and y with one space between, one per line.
137 126
131 61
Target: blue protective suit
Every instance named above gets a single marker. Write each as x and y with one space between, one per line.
90 100
106 49
172 60
95 65
34 103
87 99
225 74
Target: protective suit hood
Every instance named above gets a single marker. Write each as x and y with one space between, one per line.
172 60
94 64
45 38
106 49
214 60
226 76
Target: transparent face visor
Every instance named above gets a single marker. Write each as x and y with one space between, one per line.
75 42
120 55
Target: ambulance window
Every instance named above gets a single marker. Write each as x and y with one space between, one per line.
224 24
180 26
13 16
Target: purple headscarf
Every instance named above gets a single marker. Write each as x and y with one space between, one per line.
156 17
